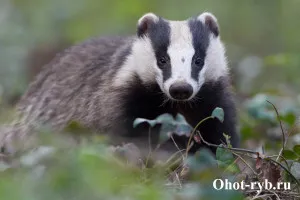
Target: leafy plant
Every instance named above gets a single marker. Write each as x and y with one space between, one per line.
169 125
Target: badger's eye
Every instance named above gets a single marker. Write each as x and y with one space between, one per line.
162 61
199 62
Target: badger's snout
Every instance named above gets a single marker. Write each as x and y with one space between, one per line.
181 91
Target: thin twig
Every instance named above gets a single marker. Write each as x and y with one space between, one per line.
261 196
282 131
149 139
151 153
192 134
176 145
258 193
281 158
244 161
174 155
178 179
295 126
225 147
150 146
188 148
274 194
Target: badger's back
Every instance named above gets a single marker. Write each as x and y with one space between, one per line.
68 87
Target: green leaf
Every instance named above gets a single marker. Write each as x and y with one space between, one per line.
165 132
289 154
177 126
226 160
202 160
180 119
233 168
296 149
138 121
218 113
165 118
183 129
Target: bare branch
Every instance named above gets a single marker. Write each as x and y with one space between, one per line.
195 129
225 147
282 131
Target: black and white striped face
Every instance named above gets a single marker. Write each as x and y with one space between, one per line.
185 54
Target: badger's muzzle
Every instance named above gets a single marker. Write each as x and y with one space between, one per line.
181 91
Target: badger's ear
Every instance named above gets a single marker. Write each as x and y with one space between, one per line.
210 21
145 23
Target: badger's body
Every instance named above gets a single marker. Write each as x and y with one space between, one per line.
105 83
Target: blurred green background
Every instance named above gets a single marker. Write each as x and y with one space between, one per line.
262 40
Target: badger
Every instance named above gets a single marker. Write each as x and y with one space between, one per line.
106 83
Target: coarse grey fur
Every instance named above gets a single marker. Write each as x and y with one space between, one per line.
75 86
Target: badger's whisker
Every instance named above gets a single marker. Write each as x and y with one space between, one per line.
164 101
190 104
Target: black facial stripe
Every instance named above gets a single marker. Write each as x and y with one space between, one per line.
166 69
159 34
200 34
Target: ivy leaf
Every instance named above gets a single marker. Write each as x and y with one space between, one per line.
296 149
169 125
289 154
183 129
180 119
165 132
226 160
233 167
218 113
161 119
138 121
165 118
202 160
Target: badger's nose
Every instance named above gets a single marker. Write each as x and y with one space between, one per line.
181 91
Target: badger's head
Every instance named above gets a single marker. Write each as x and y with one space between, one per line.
180 56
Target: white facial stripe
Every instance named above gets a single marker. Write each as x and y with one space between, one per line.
181 48
181 52
215 61
140 62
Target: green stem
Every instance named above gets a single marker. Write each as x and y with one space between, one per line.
192 134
